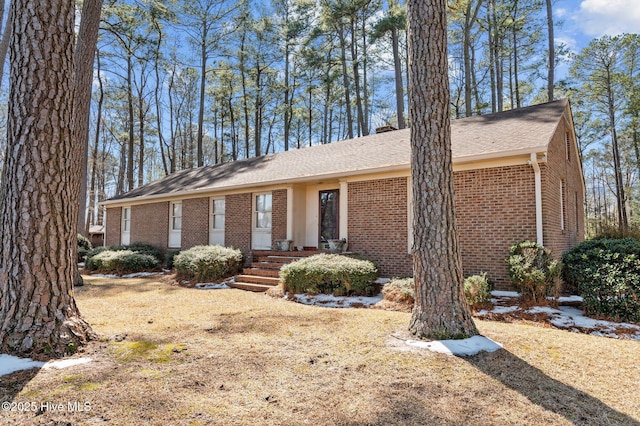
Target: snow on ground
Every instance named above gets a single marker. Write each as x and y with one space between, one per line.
212 286
564 317
10 364
331 301
463 347
135 275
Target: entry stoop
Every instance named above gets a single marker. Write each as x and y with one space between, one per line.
263 273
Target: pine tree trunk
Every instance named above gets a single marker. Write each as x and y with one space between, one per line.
440 310
38 221
552 53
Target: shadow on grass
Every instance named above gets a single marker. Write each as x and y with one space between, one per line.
106 287
12 384
576 406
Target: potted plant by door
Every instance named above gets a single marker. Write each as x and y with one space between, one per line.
337 246
283 245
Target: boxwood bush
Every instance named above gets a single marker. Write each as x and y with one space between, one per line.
208 263
607 275
330 274
533 271
477 291
123 262
400 290
84 245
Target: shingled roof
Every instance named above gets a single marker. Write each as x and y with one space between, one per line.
508 133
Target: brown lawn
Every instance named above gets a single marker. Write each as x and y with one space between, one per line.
229 357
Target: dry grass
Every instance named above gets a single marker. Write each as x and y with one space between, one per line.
228 357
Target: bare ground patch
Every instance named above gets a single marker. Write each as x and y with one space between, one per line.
229 357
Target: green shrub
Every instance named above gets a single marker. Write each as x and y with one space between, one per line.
607 274
92 253
208 263
169 257
477 291
84 242
533 271
145 248
84 245
123 262
399 290
330 274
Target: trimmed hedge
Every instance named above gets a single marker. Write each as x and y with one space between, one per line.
477 291
84 245
533 271
400 290
330 274
208 263
607 274
123 262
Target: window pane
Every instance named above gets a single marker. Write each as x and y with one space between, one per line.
267 202
177 209
259 203
218 221
177 223
263 220
126 213
218 206
126 226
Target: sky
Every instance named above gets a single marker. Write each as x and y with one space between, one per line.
587 19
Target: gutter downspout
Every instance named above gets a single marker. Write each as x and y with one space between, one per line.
538 189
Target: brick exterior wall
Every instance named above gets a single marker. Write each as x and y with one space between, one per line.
278 215
238 225
195 222
558 168
495 208
378 224
112 228
150 224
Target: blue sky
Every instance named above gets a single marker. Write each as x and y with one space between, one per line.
587 19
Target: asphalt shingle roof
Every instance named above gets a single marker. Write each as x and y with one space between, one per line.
489 136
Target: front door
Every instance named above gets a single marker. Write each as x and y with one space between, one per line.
329 216
261 235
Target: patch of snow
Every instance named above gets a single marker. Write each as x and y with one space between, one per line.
104 276
141 274
64 363
80 264
464 347
498 293
331 301
382 280
212 286
570 299
10 364
504 309
568 318
543 310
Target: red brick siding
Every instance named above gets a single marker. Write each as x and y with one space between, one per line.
378 224
278 215
237 226
495 208
558 168
112 229
150 224
195 222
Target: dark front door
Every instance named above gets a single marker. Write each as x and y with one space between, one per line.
329 220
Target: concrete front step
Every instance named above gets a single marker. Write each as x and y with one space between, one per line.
266 265
261 272
258 288
254 279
